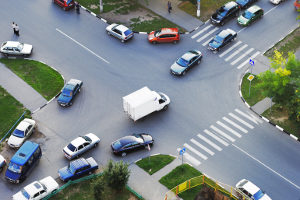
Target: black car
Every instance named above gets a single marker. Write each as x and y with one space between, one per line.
245 3
226 12
131 142
221 39
69 92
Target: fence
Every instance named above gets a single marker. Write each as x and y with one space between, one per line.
22 116
200 180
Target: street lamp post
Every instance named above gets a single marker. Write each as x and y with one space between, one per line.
198 8
101 6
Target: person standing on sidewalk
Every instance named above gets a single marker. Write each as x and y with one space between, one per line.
169 7
14 27
17 29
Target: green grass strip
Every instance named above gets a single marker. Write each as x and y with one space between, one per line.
255 94
153 164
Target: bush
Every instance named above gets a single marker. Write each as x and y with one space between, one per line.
98 188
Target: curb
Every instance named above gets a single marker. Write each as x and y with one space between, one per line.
262 117
56 94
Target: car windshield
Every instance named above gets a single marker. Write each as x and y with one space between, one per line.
67 92
156 33
25 194
86 138
14 167
258 195
128 32
71 147
219 39
72 169
182 62
117 144
247 14
162 96
20 46
18 133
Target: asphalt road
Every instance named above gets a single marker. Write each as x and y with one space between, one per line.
78 46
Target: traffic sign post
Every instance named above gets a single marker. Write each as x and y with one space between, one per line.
250 78
251 62
181 152
198 8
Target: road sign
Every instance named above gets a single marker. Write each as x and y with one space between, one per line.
250 77
251 62
181 152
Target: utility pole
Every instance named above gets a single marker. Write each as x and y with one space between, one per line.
101 6
198 8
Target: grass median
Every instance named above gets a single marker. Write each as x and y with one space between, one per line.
39 76
153 164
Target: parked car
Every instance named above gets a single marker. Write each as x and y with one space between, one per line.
276 2
119 31
77 168
65 4
245 3
21 133
37 190
297 5
69 92
226 12
132 142
80 145
248 189
2 163
223 38
250 15
186 62
16 48
164 35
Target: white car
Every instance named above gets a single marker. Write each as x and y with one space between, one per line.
276 2
248 189
80 145
15 48
2 162
119 31
21 133
37 189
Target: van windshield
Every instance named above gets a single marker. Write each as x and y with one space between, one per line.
14 167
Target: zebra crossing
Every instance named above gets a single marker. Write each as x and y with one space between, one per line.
238 53
218 136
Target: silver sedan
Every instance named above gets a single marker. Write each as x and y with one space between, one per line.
119 31
16 48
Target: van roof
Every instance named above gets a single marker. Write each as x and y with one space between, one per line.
24 153
140 96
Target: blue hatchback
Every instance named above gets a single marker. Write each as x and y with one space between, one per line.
69 92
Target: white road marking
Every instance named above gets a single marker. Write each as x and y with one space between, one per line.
241 30
201 31
252 118
242 56
266 166
247 61
195 151
193 160
222 133
270 10
235 125
229 129
82 46
236 52
202 147
216 137
240 120
205 43
207 34
209 142
228 50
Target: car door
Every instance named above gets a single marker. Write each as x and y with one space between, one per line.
42 194
75 90
86 146
117 33
30 130
192 62
227 39
80 149
36 196
163 38
9 50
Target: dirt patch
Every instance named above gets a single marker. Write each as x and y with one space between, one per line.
207 193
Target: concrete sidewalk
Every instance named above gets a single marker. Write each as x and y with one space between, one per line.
20 90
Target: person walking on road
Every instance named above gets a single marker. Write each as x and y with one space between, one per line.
17 29
169 7
14 27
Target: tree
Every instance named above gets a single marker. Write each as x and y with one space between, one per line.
98 188
116 174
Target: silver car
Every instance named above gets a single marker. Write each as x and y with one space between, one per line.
80 145
15 48
119 31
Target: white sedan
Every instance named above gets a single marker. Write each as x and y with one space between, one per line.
276 2
249 190
15 48
80 145
119 31
21 133
37 189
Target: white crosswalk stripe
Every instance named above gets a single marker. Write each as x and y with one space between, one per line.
202 147
236 52
207 34
228 50
216 137
235 125
195 151
247 61
209 142
190 158
197 34
242 56
205 43
252 117
222 133
240 120
229 129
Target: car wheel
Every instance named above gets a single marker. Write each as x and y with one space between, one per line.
95 145
222 23
237 14
175 41
154 42
65 8
108 33
5 54
79 90
165 107
123 154
183 73
122 41
199 61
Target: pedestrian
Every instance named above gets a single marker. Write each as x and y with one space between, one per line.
169 7
14 27
77 7
17 29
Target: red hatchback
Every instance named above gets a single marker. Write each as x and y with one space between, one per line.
164 35
65 4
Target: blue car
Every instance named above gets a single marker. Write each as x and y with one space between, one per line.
77 168
245 3
223 38
69 92
186 62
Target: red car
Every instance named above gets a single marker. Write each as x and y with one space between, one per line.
164 35
65 4
297 5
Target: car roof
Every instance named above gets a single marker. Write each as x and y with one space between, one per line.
78 141
254 8
169 30
33 188
223 33
229 5
73 81
122 28
188 56
250 187
76 164
12 43
127 139
23 125
23 154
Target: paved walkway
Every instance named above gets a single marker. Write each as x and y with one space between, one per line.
20 90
